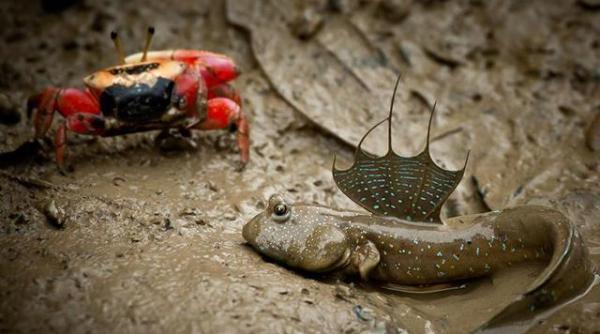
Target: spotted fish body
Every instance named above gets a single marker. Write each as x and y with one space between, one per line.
413 256
417 253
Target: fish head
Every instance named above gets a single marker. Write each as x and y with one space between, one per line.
299 236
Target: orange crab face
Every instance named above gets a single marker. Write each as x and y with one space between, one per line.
146 73
144 91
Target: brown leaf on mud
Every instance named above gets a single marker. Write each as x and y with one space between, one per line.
478 69
308 75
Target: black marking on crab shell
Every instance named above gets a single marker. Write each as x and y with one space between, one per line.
134 69
139 102
410 188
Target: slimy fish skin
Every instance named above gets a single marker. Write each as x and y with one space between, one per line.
425 257
392 250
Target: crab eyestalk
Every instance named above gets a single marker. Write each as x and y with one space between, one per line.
148 41
115 37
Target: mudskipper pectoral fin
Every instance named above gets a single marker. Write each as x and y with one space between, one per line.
412 188
426 289
364 258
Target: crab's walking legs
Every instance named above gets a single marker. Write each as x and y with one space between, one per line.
79 107
223 113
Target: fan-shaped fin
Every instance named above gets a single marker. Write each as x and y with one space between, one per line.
390 149
413 188
359 147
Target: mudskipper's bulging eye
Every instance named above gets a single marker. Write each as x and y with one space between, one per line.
280 212
280 209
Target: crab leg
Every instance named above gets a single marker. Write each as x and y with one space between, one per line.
60 143
190 92
67 101
223 113
243 138
43 106
74 101
241 124
80 108
83 123
225 90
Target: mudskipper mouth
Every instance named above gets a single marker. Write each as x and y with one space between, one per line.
250 231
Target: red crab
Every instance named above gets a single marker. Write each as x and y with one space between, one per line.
183 89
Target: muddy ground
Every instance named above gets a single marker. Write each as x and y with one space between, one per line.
148 239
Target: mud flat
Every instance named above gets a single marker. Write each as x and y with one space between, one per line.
140 239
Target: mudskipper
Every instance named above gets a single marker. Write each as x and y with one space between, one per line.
403 245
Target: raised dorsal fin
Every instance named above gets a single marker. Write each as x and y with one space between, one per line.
413 188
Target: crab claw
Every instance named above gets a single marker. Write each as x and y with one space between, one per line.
41 108
224 113
214 67
217 68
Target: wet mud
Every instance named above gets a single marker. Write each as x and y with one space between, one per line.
135 238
